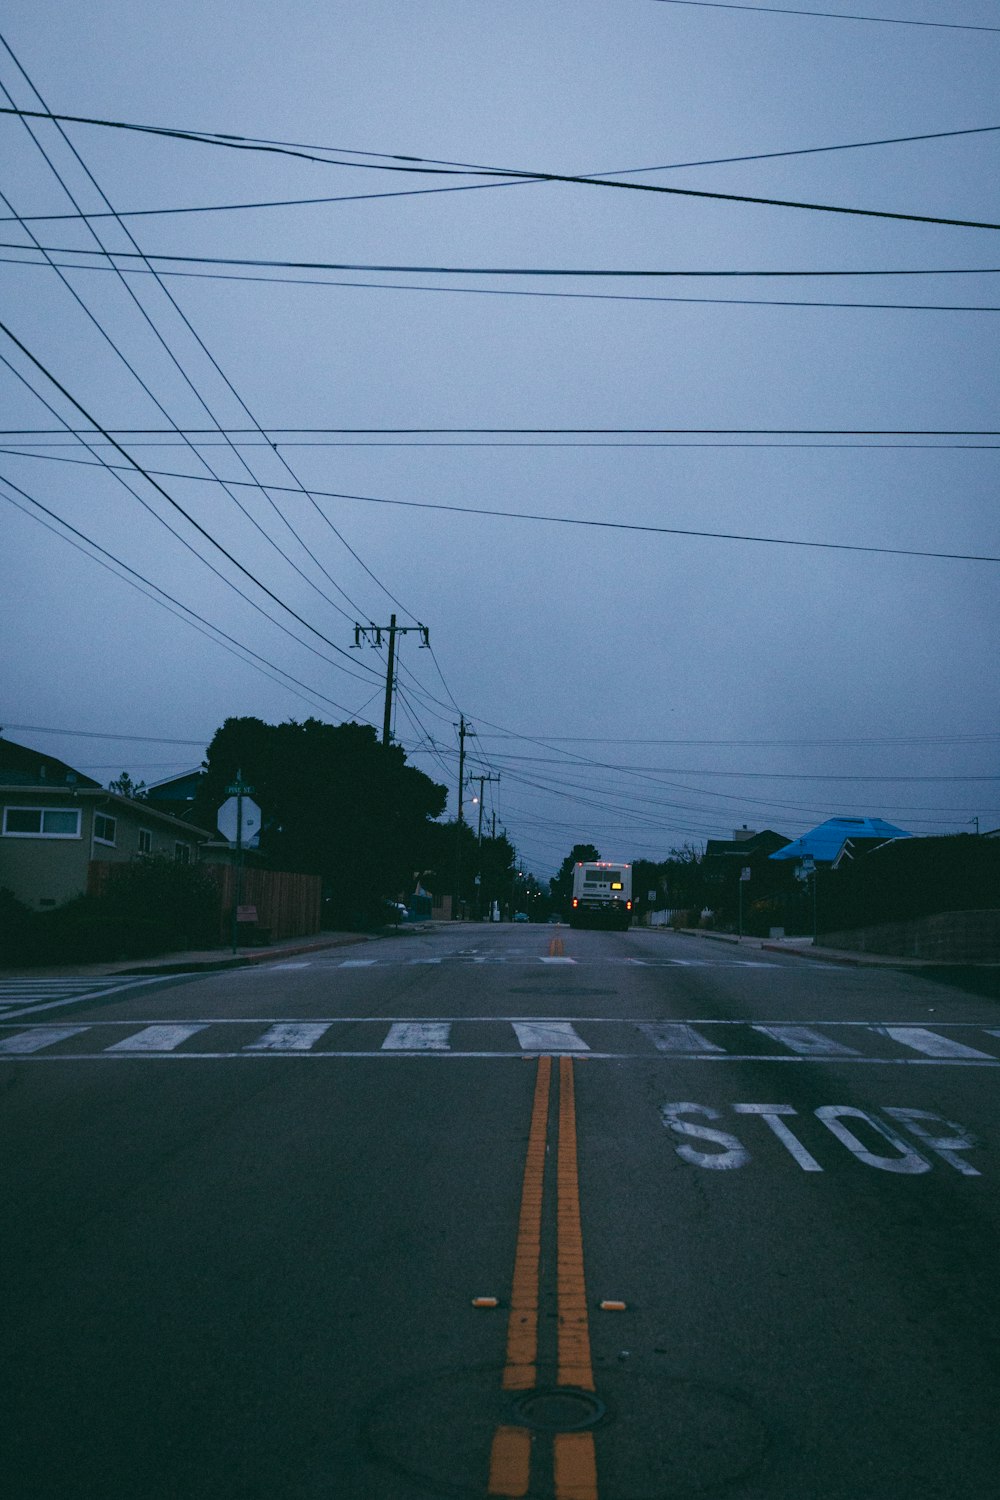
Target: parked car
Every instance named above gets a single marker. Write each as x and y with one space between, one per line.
520 916
396 912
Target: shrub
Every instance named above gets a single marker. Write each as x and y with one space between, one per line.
145 907
15 922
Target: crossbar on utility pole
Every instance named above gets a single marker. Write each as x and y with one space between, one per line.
373 634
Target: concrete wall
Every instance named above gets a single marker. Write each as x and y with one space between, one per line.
951 937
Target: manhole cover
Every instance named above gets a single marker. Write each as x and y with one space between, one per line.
559 1409
656 1435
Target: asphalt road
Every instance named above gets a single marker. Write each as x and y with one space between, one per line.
247 1216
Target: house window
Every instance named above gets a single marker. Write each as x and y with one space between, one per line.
41 822
104 829
145 841
182 853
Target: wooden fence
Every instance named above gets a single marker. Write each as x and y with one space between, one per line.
288 905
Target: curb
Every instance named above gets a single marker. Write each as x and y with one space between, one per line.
241 960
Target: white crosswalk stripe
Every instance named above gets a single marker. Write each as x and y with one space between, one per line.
25 1042
418 1036
930 1043
549 1036
808 1042
677 1037
157 1038
290 1036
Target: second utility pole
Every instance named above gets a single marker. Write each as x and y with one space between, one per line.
373 633
463 730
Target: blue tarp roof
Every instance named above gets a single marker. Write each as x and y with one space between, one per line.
825 842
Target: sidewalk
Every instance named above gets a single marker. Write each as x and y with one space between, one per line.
200 960
804 947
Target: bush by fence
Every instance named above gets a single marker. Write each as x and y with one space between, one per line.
129 911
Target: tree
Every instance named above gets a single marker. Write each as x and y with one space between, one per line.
683 878
561 885
335 802
126 787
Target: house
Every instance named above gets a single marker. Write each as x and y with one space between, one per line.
176 794
840 839
56 823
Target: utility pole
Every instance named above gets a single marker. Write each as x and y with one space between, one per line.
373 634
463 732
479 840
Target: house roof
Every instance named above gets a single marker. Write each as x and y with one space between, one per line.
825 842
141 810
180 788
756 844
21 766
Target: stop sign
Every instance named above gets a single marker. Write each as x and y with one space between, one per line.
228 817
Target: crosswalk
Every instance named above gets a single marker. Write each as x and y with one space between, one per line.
25 994
529 960
840 1042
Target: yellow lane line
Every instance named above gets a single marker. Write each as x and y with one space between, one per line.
510 1454
510 1462
557 947
574 1333
574 1458
522 1325
575 1466
573 1453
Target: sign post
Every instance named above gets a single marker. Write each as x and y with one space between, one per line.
745 874
239 816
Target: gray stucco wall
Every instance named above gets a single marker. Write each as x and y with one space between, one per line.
44 872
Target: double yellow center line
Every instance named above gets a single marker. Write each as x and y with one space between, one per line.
574 1460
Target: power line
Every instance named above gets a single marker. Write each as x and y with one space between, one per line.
748 775
187 442
165 346
893 740
473 291
579 272
177 506
585 271
613 525
393 163
160 596
825 15
709 161
205 350
95 734
271 434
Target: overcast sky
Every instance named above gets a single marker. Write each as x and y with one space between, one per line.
638 689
